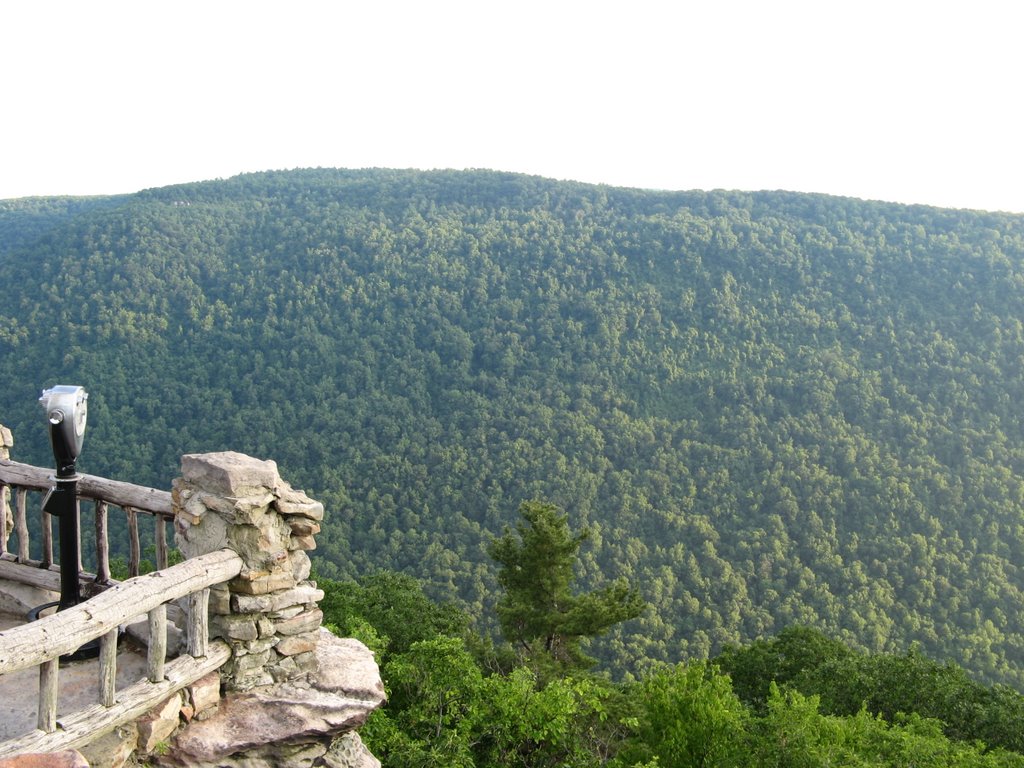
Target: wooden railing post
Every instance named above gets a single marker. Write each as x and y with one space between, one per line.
47 712
21 524
134 551
5 515
108 668
6 519
102 543
161 542
78 536
157 643
46 526
197 623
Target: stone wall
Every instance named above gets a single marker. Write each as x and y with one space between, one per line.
269 613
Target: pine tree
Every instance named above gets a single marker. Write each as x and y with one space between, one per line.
539 612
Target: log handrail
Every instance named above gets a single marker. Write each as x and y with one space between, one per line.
80 728
122 494
61 633
41 643
103 493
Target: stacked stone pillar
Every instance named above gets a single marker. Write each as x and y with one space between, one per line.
268 613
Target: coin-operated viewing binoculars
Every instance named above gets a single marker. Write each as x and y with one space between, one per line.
66 410
66 413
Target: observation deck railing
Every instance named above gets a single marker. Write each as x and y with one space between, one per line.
107 606
133 500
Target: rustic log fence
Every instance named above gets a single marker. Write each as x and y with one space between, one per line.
133 500
110 605
43 642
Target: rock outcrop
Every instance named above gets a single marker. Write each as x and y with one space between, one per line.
67 759
301 722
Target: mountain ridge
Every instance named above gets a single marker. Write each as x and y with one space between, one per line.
770 408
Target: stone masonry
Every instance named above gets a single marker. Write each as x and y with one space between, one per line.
268 614
295 693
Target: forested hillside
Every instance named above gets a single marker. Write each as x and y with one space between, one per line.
768 408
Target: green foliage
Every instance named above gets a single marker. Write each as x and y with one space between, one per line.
538 611
893 684
435 689
442 710
785 660
388 610
447 708
890 686
688 715
794 733
559 723
26 220
691 717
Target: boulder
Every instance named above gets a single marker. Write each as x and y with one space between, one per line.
67 759
349 752
276 724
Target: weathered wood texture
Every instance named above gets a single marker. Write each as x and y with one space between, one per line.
108 668
81 728
3 517
63 632
197 625
91 487
161 543
6 513
44 523
21 523
44 578
157 644
48 691
134 548
102 543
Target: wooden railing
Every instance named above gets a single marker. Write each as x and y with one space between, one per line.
41 643
134 500
110 605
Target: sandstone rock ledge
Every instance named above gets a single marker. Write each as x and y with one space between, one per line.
300 723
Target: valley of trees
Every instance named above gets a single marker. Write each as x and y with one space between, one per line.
798 699
767 409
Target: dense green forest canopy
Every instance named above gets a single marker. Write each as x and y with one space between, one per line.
796 699
767 408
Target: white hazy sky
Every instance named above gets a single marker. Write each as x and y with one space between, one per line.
900 100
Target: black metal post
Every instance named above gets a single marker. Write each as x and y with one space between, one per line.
62 503
66 413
